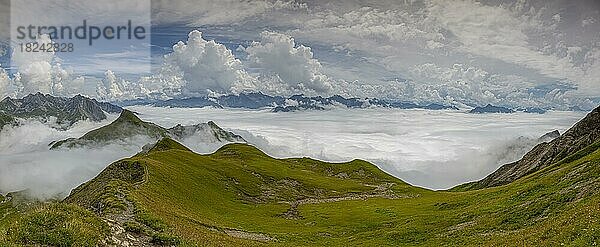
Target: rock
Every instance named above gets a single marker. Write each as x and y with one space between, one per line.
67 111
549 136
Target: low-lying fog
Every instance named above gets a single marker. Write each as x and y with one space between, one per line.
433 149
26 162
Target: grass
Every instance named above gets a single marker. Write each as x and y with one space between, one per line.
52 224
239 196
239 187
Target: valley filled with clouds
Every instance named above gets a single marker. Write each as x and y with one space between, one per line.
517 54
433 149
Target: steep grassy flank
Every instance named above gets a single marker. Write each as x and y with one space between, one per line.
240 196
49 224
584 133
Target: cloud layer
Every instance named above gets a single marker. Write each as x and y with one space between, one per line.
522 46
204 65
434 149
28 164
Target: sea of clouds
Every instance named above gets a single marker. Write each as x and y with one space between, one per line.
432 149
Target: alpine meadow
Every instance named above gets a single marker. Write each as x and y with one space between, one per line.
141 123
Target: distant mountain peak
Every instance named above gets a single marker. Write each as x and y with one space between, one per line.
129 125
297 102
489 108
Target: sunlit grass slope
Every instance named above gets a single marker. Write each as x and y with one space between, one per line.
49 224
240 196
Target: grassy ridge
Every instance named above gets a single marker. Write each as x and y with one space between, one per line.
240 196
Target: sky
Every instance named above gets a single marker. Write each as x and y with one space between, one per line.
512 53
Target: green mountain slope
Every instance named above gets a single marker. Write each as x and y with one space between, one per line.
583 134
126 126
227 193
28 222
240 196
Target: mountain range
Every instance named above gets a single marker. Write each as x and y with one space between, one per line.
257 100
47 108
62 112
168 195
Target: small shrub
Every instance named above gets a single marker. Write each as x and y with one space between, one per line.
165 239
150 221
133 227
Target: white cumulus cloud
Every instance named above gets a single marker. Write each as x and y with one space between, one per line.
287 67
114 88
40 72
199 66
